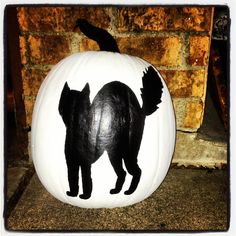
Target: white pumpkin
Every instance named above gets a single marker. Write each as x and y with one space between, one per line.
49 131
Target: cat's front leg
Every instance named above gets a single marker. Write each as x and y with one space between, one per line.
73 178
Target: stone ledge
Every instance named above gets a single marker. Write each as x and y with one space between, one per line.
190 150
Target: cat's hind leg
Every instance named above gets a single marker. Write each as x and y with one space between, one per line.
116 162
134 170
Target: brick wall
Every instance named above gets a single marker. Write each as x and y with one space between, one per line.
175 40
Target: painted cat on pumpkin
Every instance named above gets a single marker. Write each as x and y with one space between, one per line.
113 122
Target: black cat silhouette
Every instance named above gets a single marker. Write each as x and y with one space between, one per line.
113 122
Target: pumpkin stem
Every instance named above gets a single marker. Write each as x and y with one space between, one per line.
105 40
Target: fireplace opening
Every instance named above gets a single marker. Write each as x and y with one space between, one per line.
215 123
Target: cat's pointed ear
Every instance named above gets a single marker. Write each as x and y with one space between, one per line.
66 88
86 90
63 99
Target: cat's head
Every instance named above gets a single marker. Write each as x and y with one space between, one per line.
73 101
75 94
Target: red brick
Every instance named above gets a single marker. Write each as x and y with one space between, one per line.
32 79
198 50
40 18
98 16
160 51
60 19
197 18
179 107
29 106
48 49
23 49
194 115
88 45
190 83
22 18
165 19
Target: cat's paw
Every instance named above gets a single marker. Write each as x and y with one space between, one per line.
114 191
71 194
128 192
85 196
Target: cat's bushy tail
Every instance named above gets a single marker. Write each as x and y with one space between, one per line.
105 40
152 90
